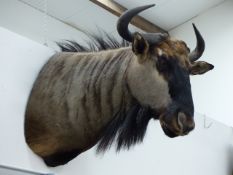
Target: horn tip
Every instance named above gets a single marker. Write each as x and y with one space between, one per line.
151 5
195 28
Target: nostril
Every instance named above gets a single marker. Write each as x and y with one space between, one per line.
187 129
191 126
185 123
181 120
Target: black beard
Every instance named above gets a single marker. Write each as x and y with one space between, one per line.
127 127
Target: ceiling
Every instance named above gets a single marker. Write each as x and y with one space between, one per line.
167 14
81 14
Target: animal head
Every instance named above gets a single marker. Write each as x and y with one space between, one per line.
160 74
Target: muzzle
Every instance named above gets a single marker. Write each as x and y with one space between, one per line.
175 122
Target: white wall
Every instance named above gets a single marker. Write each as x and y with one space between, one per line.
27 21
203 152
20 62
206 151
212 92
32 23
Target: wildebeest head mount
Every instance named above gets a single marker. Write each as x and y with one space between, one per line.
174 62
81 99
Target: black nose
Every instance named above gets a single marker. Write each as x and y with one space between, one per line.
168 132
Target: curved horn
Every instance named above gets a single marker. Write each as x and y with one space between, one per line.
200 46
125 18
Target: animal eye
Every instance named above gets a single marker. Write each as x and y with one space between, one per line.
163 64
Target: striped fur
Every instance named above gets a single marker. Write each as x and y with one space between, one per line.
103 93
83 98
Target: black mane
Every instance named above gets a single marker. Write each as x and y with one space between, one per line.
95 43
127 127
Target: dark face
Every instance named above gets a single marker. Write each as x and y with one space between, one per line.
173 64
177 119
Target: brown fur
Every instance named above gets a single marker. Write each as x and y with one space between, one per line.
70 103
175 49
76 95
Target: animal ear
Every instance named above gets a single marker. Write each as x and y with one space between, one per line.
200 67
140 46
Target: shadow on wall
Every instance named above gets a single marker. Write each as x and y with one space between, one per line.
230 156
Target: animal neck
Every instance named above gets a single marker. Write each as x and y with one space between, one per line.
130 119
